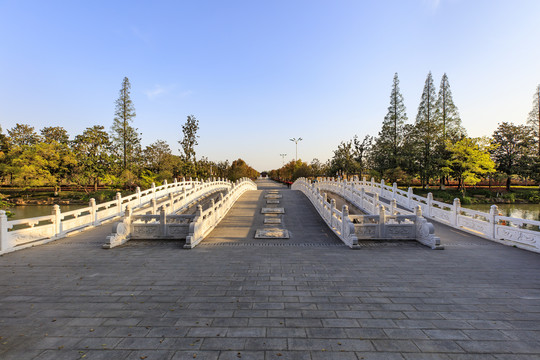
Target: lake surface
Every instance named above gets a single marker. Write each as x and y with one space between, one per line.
29 211
523 211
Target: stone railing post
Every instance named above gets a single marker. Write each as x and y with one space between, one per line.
429 203
455 212
128 213
162 221
375 202
363 181
5 242
382 188
57 220
493 213
418 211
153 205
138 194
382 221
410 194
344 220
394 190
199 211
362 194
93 211
393 206
372 185
332 207
118 203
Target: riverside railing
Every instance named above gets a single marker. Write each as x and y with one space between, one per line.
379 226
23 233
493 226
192 228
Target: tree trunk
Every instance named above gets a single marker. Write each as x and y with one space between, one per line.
508 180
96 184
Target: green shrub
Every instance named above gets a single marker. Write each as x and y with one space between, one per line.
466 200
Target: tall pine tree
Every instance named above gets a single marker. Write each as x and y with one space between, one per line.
447 113
125 137
390 138
534 117
427 129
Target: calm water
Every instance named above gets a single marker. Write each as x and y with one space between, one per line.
29 211
523 211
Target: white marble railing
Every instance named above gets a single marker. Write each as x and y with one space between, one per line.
383 224
193 228
20 234
511 231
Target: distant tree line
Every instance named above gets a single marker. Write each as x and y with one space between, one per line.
435 149
98 157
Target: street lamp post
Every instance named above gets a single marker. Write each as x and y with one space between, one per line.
295 140
282 159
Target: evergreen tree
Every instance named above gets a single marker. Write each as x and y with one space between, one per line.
428 129
124 136
512 152
390 138
189 141
534 117
447 113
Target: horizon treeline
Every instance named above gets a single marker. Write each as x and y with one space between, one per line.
98 157
434 149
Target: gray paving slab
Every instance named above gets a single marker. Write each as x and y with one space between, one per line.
308 297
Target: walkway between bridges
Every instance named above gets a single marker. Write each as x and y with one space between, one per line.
234 297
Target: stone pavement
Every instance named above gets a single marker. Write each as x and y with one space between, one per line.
235 297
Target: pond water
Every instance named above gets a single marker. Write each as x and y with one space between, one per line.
523 211
29 211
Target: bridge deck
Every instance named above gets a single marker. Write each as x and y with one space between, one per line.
234 297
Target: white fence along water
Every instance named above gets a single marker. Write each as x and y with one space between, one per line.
383 224
193 228
23 233
511 231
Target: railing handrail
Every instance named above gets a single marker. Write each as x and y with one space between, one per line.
95 214
489 225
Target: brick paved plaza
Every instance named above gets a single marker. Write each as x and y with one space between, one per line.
236 297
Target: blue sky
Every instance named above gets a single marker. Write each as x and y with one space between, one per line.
256 73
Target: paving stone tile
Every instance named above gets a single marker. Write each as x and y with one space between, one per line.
379 355
199 355
405 334
439 346
285 332
264 344
366 333
395 345
196 332
149 355
341 323
443 334
502 347
325 355
287 355
247 332
143 343
244 355
223 344
98 343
